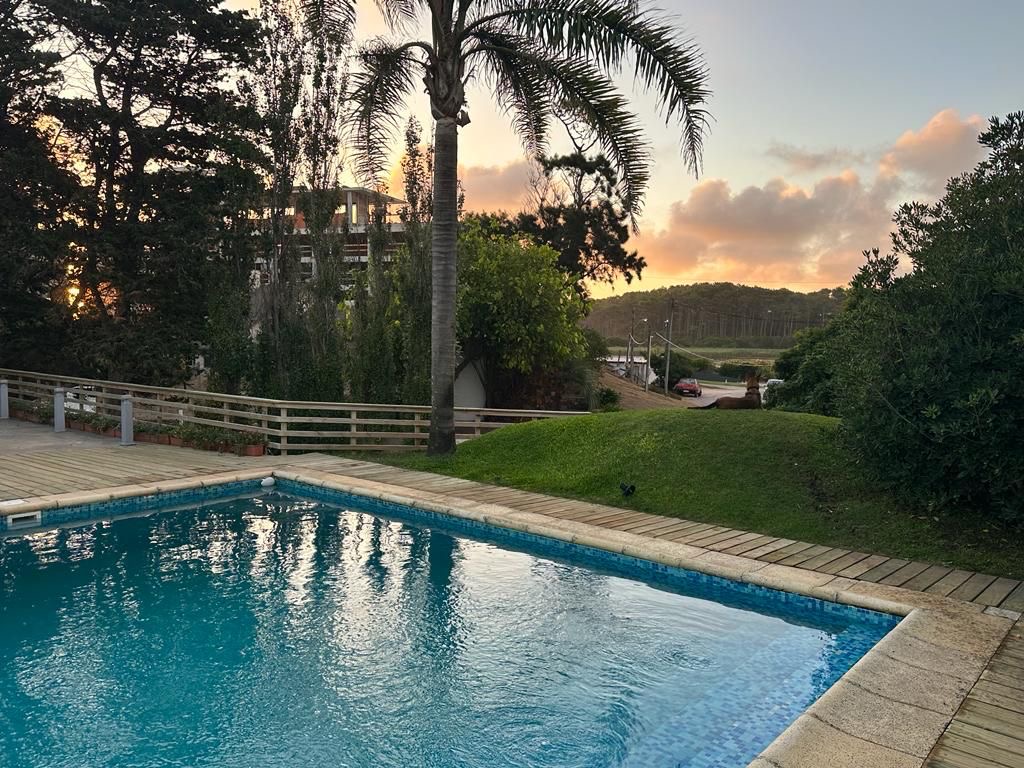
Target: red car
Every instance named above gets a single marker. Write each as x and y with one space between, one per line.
688 387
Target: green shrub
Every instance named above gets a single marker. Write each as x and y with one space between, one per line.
926 367
608 399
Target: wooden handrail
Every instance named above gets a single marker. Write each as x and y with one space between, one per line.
286 425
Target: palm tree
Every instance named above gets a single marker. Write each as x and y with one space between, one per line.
543 60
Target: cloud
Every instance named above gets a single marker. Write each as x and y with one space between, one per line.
947 145
777 232
492 188
803 160
807 236
488 188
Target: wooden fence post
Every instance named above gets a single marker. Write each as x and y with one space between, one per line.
352 426
284 430
58 409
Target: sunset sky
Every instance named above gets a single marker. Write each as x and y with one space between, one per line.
827 115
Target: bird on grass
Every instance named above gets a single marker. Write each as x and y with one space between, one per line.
627 490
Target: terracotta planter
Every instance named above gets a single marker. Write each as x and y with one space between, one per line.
257 449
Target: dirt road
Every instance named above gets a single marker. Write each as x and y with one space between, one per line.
633 397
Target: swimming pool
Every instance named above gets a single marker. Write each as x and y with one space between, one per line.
312 628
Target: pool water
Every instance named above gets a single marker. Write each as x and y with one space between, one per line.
275 631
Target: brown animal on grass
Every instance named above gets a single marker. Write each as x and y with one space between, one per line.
750 400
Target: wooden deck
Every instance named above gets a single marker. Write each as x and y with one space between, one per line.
987 732
985 589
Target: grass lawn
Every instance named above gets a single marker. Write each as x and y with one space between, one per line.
771 472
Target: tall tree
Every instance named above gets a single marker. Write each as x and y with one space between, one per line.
150 121
35 198
540 58
579 213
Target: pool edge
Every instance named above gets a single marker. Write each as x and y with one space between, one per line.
888 710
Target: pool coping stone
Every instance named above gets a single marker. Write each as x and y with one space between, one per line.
887 711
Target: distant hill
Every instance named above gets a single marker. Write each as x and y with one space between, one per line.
715 314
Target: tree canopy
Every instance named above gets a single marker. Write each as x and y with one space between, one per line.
925 367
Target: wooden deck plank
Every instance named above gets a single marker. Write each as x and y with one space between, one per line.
682 535
883 569
947 757
805 554
749 546
735 541
767 548
727 534
1015 600
846 561
997 591
927 577
784 552
973 587
949 582
904 574
656 529
709 537
817 562
863 566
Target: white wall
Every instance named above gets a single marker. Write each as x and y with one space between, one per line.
469 389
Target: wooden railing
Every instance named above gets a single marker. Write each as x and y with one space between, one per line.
286 425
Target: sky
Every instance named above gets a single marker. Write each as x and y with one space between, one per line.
827 115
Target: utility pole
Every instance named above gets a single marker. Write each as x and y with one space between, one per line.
647 368
629 344
668 344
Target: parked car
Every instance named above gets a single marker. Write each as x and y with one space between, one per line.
688 387
771 383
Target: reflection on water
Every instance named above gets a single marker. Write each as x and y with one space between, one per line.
276 632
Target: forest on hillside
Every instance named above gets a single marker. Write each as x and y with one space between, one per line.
714 314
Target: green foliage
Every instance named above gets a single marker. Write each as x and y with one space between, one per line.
736 371
375 335
717 314
516 315
206 436
807 371
781 474
149 126
608 399
935 408
580 214
926 367
35 194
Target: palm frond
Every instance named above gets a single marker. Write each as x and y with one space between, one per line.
609 33
336 18
586 94
400 15
380 86
519 92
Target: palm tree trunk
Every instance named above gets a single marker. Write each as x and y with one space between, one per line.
443 273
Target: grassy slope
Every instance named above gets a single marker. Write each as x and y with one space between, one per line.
776 473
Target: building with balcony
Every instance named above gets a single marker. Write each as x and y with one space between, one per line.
353 219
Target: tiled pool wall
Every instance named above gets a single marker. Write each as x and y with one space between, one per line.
788 605
740 594
131 505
